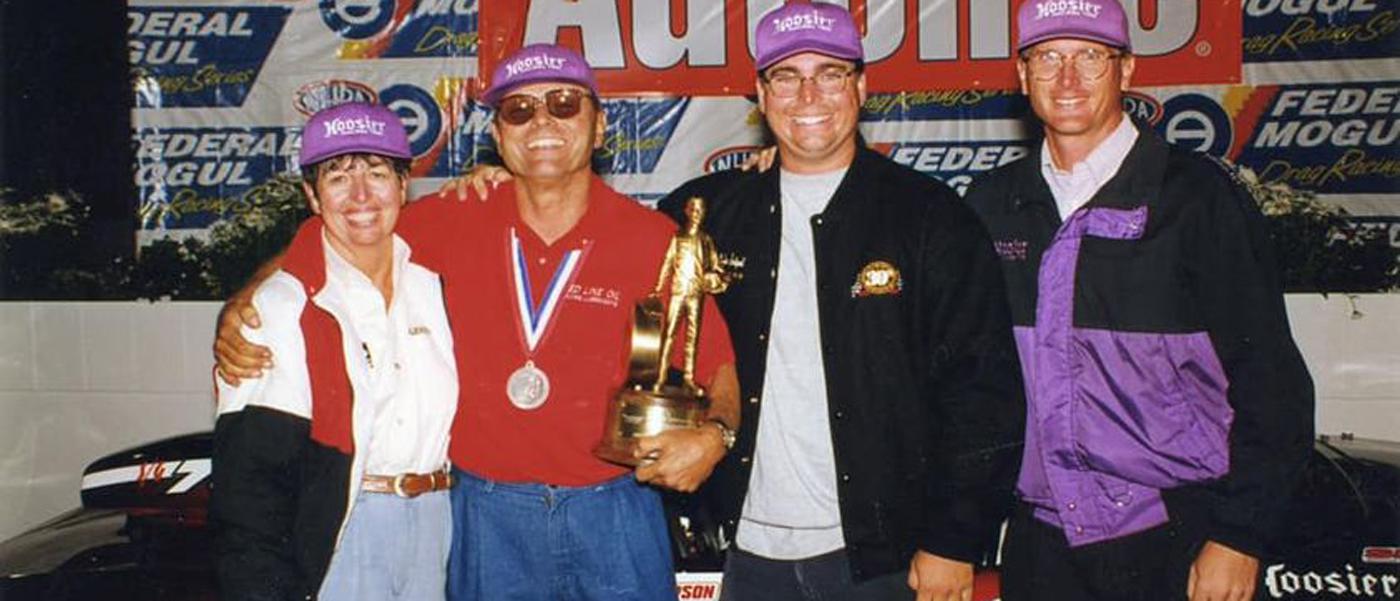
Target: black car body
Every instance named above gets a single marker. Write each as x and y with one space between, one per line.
142 533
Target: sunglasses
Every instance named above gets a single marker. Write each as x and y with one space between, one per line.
519 109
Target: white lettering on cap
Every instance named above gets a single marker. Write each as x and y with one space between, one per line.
526 64
1067 8
355 126
811 20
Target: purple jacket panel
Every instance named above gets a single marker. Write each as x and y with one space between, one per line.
1113 417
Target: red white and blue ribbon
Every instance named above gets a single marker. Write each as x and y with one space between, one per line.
535 319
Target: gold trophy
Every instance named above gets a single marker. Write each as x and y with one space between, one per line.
648 405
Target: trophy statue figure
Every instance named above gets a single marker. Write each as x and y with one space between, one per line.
648 405
694 268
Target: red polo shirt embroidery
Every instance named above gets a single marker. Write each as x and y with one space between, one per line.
584 351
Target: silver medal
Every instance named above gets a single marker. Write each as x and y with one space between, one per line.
528 387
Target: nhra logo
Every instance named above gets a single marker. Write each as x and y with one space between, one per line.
728 158
1142 108
402 28
319 95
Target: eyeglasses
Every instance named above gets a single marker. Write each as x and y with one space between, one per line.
787 83
1090 63
519 109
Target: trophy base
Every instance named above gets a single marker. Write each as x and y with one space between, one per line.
637 412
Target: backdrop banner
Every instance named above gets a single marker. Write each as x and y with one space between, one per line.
1304 92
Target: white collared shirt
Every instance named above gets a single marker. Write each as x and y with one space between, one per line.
412 384
1073 188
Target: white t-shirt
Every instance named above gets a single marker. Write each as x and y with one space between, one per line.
792 511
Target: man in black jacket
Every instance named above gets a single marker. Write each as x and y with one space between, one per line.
883 408
1170 410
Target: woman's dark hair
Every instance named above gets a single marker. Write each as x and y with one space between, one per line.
310 172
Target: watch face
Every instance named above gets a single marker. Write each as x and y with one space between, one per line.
726 433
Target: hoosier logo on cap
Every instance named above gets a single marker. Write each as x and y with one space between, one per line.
809 20
1068 8
355 126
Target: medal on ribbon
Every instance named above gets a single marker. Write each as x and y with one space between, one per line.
528 386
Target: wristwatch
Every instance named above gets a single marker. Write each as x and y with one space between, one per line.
726 434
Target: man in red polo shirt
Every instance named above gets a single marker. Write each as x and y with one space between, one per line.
540 281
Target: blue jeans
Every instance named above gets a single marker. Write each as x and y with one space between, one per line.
533 542
393 548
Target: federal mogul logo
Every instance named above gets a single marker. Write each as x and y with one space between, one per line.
191 177
199 56
956 164
1327 138
1302 30
402 28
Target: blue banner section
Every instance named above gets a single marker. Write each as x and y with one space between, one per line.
638 132
199 56
190 177
1336 138
402 28
1311 30
957 163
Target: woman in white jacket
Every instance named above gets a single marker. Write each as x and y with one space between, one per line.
330 474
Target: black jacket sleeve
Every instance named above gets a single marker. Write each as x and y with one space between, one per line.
258 454
973 383
1236 281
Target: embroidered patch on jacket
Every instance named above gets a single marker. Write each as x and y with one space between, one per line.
418 330
1011 250
877 278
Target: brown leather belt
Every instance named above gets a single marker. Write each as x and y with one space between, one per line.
408 485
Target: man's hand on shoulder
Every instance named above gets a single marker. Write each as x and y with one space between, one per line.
235 357
935 578
680 459
482 179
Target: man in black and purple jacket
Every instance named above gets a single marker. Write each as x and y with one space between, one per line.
1169 411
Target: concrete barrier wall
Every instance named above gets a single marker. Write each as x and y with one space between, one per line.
79 380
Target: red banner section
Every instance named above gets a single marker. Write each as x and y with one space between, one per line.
703 47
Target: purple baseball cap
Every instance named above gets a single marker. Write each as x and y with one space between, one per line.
798 27
536 63
1100 21
353 127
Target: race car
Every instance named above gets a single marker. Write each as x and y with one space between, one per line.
142 532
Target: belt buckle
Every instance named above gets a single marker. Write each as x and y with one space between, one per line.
398 487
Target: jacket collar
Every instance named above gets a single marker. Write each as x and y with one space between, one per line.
1138 180
848 194
305 258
